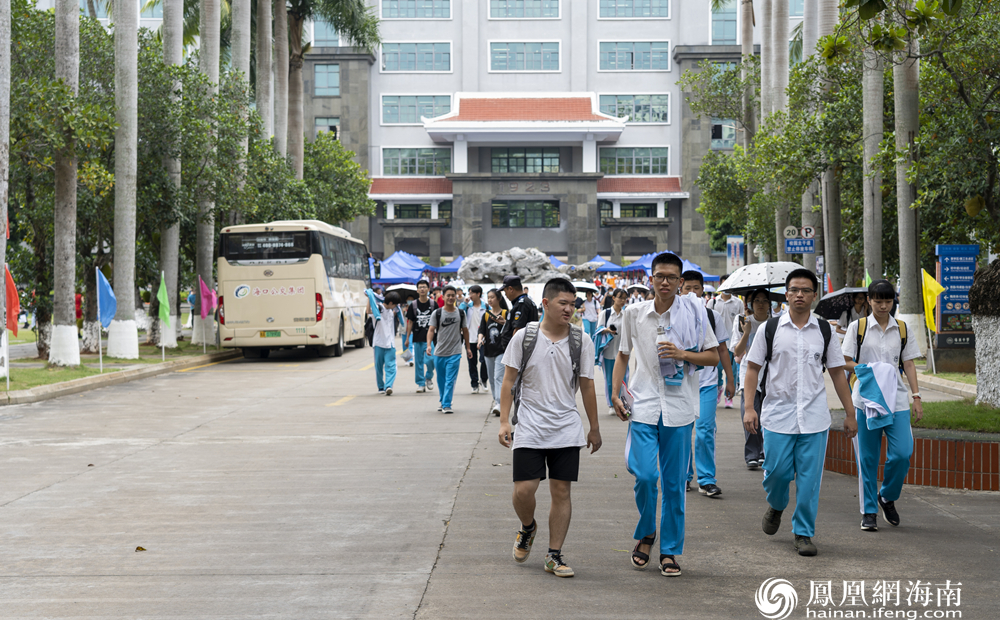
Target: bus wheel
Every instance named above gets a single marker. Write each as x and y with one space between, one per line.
338 349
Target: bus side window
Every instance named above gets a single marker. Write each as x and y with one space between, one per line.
329 261
344 259
355 273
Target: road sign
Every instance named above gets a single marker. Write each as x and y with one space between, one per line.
800 246
808 232
791 232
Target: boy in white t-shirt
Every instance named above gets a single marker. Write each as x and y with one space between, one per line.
549 430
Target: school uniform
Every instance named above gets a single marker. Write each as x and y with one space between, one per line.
753 444
590 316
881 346
658 445
384 344
795 417
609 318
709 380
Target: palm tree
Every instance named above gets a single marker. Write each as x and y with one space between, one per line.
4 143
262 87
65 349
828 14
779 99
872 128
906 95
808 35
281 77
170 235
123 335
749 109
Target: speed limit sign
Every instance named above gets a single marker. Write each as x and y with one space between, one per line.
791 232
808 232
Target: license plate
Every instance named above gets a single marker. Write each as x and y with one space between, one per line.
276 334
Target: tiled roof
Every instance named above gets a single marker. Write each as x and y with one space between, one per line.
382 186
635 185
526 109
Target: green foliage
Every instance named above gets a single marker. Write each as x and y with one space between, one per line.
338 184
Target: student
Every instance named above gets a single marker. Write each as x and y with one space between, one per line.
709 380
665 404
610 322
549 430
881 340
589 312
744 331
384 343
418 319
449 325
794 417
474 310
522 309
729 308
489 343
855 312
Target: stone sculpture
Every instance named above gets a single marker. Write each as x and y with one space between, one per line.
984 302
530 264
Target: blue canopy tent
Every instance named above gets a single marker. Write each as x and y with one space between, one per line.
390 274
407 261
689 266
645 263
451 267
606 265
555 261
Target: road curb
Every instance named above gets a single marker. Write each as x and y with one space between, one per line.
948 387
66 388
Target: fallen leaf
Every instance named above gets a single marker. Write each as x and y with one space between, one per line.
90 464
497 464
140 549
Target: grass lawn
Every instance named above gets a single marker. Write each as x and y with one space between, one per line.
961 377
26 378
24 336
151 355
961 415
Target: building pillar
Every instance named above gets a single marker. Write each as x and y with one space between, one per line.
390 210
434 209
434 240
589 153
616 209
660 211
461 148
388 242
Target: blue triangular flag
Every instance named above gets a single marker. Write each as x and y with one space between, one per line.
106 300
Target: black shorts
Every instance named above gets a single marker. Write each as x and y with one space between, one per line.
563 463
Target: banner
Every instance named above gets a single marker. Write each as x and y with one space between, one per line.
735 246
13 303
931 290
107 303
164 299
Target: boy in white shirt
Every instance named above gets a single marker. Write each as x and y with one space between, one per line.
665 405
549 430
794 416
384 344
882 342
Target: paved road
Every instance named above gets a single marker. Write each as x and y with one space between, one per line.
286 488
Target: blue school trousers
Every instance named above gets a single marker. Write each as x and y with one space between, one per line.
704 438
799 458
447 367
608 365
385 363
669 447
589 327
868 448
423 364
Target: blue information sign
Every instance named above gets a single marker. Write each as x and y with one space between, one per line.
956 269
800 246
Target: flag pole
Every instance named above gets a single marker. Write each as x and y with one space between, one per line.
201 300
100 351
163 350
6 344
930 350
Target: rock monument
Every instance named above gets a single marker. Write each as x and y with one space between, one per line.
530 264
984 302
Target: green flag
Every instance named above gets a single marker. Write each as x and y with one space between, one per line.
868 279
164 300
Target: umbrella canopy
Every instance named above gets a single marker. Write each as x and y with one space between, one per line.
555 261
641 287
582 287
758 275
403 288
451 267
832 305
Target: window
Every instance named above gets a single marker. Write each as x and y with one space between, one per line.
444 212
324 35
416 162
639 108
515 9
525 160
328 125
635 56
638 210
524 56
423 211
327 81
153 12
796 8
635 8
526 214
407 109
416 9
102 9
639 160
423 57
607 210
724 24
723 133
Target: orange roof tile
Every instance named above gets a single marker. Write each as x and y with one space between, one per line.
417 185
526 109
632 185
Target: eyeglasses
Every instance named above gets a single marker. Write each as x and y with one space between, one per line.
801 291
659 277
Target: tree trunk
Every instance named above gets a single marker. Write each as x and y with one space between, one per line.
873 99
906 94
4 149
766 53
809 219
204 331
65 349
749 109
296 135
779 103
123 334
263 86
826 14
810 36
173 54
91 332
833 228
281 77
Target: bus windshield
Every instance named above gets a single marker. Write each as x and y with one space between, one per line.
271 246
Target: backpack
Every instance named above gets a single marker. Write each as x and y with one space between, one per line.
863 329
528 347
437 322
770 328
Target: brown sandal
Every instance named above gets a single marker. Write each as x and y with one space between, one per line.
671 564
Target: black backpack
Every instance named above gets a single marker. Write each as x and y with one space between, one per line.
770 328
528 347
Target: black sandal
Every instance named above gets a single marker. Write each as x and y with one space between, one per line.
639 555
671 564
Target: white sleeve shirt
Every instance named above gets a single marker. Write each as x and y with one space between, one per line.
795 403
709 375
881 346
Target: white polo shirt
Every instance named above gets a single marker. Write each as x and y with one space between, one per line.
729 309
679 404
795 403
881 346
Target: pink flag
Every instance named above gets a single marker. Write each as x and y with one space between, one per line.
206 299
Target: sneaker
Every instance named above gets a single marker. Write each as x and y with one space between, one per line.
710 490
429 385
771 521
889 511
475 390
421 389
752 465
729 403
522 544
440 409
869 522
687 486
388 391
449 410
495 409
804 545
555 564
381 391
409 364
611 411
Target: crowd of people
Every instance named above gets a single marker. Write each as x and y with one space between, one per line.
692 352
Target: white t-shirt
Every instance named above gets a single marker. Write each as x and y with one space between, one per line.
709 375
611 350
590 310
729 309
548 417
385 332
849 316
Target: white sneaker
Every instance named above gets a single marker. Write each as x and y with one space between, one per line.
495 408
388 391
475 390
381 391
421 389
611 411
449 410
430 386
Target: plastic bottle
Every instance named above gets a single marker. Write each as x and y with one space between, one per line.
667 366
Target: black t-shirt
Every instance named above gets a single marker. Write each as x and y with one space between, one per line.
421 319
521 313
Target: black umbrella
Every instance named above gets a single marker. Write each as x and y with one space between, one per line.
832 305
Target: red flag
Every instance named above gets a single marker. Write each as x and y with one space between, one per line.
13 303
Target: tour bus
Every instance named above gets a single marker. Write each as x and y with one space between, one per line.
288 284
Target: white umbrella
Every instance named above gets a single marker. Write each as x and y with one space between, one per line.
408 288
757 275
585 286
641 287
